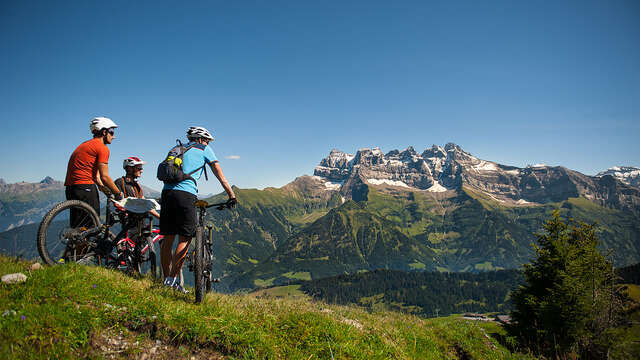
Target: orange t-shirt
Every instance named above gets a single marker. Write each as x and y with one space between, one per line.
83 163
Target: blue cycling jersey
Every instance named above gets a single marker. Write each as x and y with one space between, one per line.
195 157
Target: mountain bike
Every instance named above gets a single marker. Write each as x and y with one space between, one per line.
135 244
72 232
201 260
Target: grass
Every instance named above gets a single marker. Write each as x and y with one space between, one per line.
65 311
633 291
288 291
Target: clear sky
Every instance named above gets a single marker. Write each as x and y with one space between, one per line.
281 83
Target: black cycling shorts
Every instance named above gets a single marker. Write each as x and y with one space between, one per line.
87 193
178 213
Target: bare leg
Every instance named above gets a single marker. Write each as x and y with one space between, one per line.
180 254
165 254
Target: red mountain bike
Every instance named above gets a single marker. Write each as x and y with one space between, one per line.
72 232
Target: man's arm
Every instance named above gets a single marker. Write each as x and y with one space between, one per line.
154 213
217 171
103 174
100 184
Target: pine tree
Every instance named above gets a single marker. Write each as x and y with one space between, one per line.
570 299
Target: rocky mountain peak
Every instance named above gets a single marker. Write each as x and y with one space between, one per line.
336 158
452 147
2 182
434 151
629 175
439 169
47 180
409 155
369 157
455 152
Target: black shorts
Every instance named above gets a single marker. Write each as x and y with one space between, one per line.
87 193
178 213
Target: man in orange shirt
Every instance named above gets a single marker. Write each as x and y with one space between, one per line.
89 166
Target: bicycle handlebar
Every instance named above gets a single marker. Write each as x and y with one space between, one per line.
219 206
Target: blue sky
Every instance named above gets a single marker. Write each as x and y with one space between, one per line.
281 83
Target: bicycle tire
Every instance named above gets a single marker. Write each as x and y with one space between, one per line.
151 258
198 272
209 260
153 264
49 239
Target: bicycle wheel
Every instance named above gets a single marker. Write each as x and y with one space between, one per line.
57 234
208 260
198 271
153 264
149 256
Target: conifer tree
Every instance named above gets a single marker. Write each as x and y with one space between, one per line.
570 300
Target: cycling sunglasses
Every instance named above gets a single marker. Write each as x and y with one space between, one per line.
112 131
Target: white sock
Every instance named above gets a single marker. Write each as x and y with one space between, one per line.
169 281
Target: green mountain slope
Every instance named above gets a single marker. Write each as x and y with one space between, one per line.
409 230
262 221
347 239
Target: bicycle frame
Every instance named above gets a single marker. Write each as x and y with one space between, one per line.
135 240
201 263
156 237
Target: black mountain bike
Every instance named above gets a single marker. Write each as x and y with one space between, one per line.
201 260
72 232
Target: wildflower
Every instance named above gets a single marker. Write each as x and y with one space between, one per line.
23 317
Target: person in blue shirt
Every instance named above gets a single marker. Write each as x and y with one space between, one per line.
178 216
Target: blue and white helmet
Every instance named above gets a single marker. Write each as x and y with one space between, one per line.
195 132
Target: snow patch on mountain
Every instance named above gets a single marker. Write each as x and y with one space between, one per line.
485 166
436 187
541 165
629 175
387 181
333 185
523 202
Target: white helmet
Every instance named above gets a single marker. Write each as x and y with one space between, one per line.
100 123
195 132
132 161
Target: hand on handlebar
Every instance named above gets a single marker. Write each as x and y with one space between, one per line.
231 203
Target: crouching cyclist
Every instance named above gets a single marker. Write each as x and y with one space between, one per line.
128 185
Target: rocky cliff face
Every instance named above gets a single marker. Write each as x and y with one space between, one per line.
439 169
629 175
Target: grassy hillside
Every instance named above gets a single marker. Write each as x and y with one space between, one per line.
73 311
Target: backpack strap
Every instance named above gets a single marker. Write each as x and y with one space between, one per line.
183 150
124 187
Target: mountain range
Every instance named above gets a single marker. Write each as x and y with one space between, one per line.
25 203
442 209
